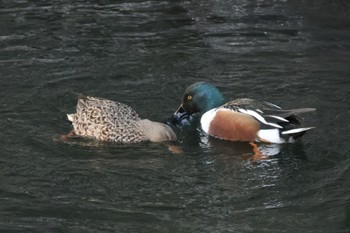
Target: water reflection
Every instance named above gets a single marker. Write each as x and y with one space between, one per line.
239 148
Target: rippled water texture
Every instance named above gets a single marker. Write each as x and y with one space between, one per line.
145 53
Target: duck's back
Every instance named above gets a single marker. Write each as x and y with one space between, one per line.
105 120
112 110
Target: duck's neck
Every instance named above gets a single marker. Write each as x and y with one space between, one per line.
213 100
155 131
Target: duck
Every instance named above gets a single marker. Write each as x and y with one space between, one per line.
241 119
108 120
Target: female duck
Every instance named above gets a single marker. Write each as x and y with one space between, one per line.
107 120
241 119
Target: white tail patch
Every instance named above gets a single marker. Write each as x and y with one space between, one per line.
298 130
207 118
70 117
270 135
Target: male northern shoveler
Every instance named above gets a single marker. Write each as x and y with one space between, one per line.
107 120
241 119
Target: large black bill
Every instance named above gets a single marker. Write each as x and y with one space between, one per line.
180 110
180 117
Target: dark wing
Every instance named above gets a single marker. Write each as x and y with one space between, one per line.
251 103
267 113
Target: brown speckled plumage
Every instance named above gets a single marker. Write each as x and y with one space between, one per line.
107 120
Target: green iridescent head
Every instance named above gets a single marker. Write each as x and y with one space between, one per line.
201 97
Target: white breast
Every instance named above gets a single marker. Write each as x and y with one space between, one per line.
207 118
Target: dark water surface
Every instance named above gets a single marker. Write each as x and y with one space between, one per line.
144 53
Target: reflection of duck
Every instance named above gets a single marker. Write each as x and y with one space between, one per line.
244 149
241 119
107 120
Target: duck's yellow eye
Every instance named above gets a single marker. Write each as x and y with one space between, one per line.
189 97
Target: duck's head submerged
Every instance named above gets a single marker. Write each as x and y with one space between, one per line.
198 98
108 120
155 131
